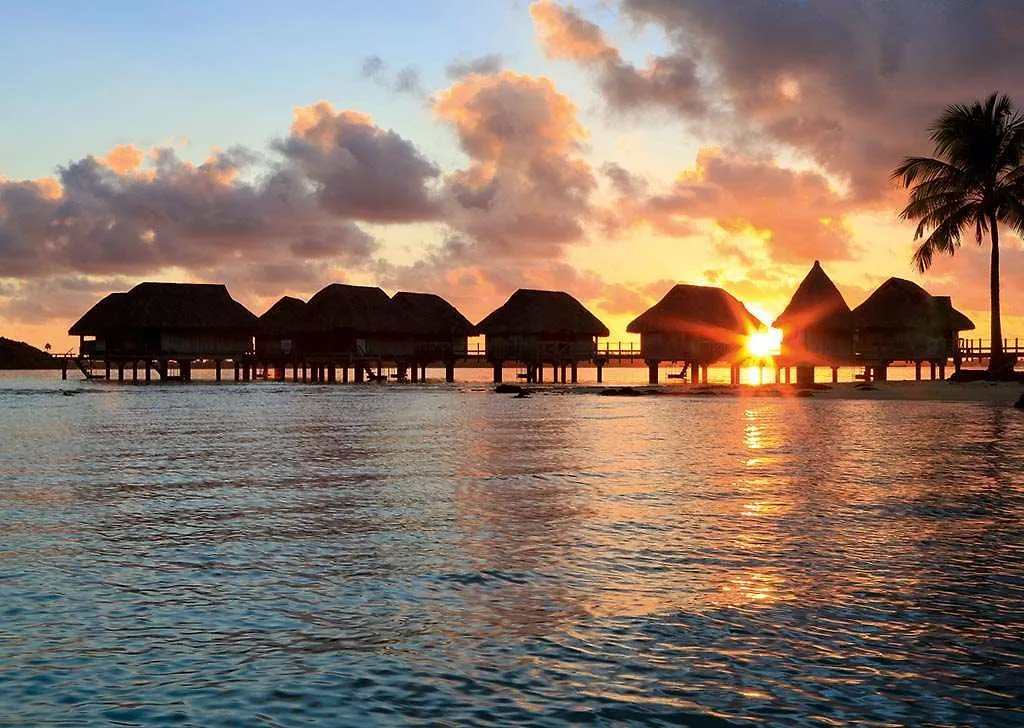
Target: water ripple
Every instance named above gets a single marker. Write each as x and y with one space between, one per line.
275 555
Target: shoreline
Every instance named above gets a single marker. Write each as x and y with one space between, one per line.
929 390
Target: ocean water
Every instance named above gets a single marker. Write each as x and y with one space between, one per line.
278 554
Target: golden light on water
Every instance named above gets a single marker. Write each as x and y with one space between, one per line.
763 344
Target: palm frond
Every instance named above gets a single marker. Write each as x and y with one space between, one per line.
945 238
916 169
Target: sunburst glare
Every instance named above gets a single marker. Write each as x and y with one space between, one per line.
762 344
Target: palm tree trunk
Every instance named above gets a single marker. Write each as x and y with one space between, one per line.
996 362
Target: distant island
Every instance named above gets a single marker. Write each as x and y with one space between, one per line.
19 355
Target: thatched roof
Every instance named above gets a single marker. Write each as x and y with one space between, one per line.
954 320
283 317
900 304
179 306
532 312
110 308
361 309
816 303
698 310
431 315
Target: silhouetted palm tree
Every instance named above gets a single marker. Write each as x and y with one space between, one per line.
975 182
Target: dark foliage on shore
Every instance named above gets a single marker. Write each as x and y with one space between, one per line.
19 355
985 375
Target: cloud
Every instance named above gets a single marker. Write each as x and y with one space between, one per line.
99 219
796 213
526 189
132 211
852 84
486 65
671 81
360 171
406 80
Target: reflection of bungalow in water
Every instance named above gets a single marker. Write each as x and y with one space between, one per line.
276 338
159 323
695 325
536 328
900 321
817 328
440 333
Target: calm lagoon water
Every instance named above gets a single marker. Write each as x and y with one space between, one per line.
268 554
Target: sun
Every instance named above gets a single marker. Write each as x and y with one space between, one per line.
762 344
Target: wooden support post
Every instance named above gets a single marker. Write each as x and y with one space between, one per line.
497 373
135 371
378 371
63 368
652 371
931 374
120 371
186 370
149 367
574 373
449 371
788 375
917 371
804 376
600 372
942 370
358 372
704 374
423 373
332 374
835 375
216 365
295 373
106 367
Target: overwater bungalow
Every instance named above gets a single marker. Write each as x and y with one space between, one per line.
352 325
696 326
536 328
156 324
817 328
277 335
440 332
901 321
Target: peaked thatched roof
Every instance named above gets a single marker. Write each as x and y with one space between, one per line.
699 310
532 312
899 303
283 317
431 315
181 306
816 303
361 309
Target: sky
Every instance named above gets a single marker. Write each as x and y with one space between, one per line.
609 149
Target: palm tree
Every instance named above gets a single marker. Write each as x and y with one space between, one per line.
975 182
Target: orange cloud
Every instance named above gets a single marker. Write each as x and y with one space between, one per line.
124 158
526 189
567 35
796 213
